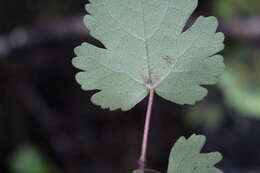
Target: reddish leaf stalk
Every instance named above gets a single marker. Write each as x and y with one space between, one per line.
142 159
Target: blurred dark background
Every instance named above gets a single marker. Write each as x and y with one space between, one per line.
48 125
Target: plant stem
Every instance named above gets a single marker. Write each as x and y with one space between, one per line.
142 159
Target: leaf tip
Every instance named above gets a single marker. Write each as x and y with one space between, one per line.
219 156
197 137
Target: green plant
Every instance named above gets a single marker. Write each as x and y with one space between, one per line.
147 52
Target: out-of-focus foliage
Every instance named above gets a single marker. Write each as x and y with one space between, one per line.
146 171
231 8
208 116
26 159
240 83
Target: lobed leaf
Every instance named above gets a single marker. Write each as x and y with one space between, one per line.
146 47
185 157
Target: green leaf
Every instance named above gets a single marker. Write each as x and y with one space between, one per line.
146 48
185 157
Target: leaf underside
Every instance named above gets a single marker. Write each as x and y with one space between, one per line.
185 157
146 47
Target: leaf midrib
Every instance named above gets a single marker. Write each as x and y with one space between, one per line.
148 83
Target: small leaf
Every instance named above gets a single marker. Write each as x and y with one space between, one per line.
185 157
146 48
